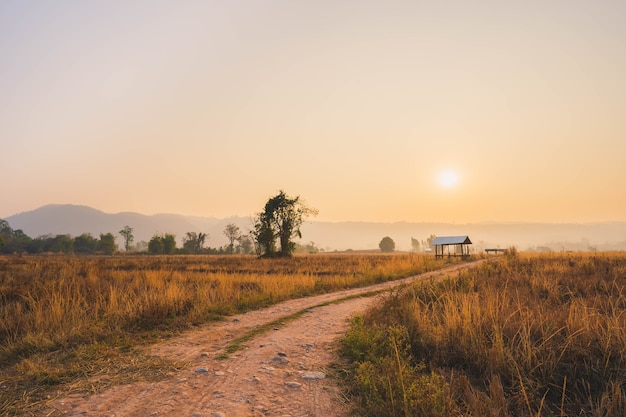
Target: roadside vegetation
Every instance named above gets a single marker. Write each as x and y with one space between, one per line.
78 323
524 335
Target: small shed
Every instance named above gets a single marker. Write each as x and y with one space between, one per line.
460 246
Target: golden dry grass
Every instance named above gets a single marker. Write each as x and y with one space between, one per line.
66 318
528 335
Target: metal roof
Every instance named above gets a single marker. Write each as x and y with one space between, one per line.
452 240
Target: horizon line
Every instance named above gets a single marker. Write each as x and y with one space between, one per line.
481 222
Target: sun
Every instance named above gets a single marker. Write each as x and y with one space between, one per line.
448 179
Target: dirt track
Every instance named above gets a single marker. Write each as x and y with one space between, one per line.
279 373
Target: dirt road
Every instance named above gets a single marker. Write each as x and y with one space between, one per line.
280 373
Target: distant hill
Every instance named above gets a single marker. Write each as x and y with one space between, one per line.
74 220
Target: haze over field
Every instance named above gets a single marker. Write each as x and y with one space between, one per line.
53 220
389 111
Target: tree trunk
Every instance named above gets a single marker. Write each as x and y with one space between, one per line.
284 245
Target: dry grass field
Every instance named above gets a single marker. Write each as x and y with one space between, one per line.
528 335
65 319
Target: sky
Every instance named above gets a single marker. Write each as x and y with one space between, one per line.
417 111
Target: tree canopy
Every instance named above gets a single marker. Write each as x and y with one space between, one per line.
85 243
280 220
415 245
387 244
107 243
162 244
232 232
194 242
127 234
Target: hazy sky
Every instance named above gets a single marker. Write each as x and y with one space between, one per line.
360 107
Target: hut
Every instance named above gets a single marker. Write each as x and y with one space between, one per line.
460 246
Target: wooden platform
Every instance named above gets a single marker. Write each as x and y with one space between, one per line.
495 250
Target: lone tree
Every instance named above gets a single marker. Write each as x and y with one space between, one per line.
429 241
246 244
281 219
232 232
127 234
387 244
415 245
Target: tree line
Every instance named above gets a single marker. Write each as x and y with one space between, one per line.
274 230
16 241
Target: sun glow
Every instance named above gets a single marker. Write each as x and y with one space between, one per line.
448 179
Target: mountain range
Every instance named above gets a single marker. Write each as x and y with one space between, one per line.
74 220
